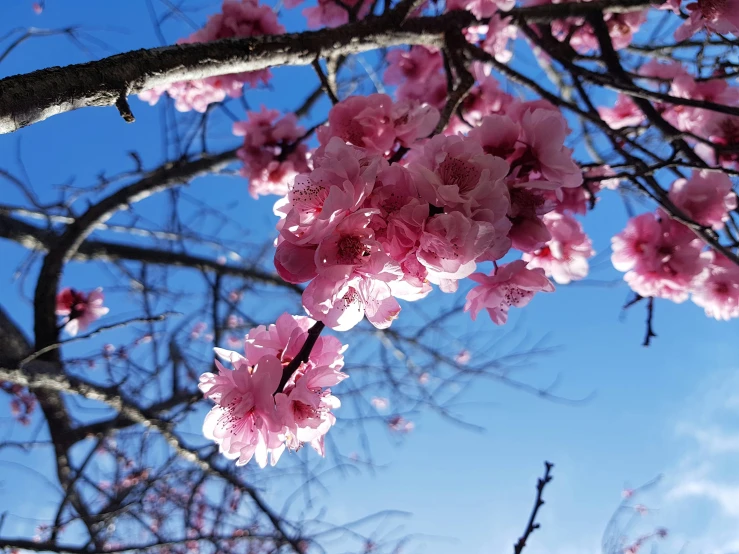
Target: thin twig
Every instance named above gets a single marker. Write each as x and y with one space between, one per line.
650 317
532 526
41 352
324 81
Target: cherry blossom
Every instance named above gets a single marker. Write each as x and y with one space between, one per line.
252 418
271 155
416 64
706 197
450 244
509 285
565 256
328 13
481 8
713 16
375 123
244 422
624 113
621 28
541 159
238 18
455 173
717 289
79 309
342 304
661 257
317 201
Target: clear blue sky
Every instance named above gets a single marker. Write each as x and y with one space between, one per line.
671 409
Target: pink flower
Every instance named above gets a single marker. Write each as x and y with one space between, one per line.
286 337
637 244
270 154
528 206
243 422
661 257
621 28
723 131
364 121
463 357
668 71
352 249
624 113
399 424
253 418
498 33
706 197
451 243
380 403
328 13
416 64
481 8
343 304
717 290
715 16
565 257
305 411
317 202
601 171
509 285
432 91
486 97
37 8
79 309
413 120
454 172
295 264
542 160
498 135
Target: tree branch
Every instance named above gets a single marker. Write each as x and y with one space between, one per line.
36 238
33 97
27 99
532 526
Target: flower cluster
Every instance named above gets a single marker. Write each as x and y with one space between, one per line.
327 13
512 284
238 18
621 27
79 309
712 16
272 153
366 232
663 258
254 416
720 129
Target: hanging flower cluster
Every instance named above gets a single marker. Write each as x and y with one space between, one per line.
253 415
238 19
663 258
79 309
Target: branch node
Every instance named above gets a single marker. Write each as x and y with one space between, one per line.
123 108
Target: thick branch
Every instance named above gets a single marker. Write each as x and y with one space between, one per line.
43 377
27 99
35 238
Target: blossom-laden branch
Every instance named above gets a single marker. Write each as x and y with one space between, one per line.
27 99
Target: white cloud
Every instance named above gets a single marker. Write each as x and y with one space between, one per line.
726 495
701 499
713 440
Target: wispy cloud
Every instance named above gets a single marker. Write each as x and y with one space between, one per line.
702 489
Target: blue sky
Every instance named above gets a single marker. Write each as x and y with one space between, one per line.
670 409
